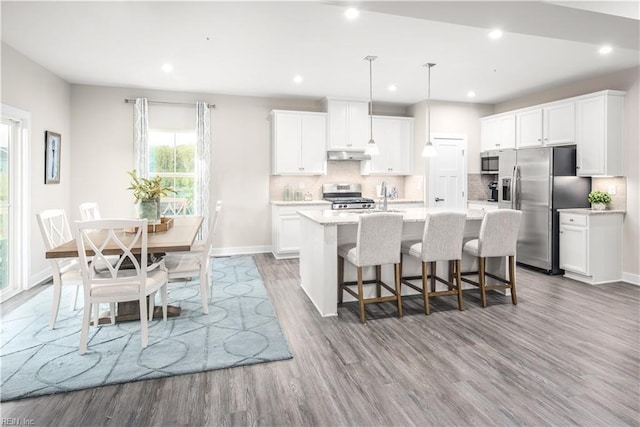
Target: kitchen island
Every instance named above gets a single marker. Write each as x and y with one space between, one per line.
323 231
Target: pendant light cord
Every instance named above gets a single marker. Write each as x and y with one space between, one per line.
429 65
370 59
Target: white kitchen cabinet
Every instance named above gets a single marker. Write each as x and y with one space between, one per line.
498 132
285 228
348 124
394 137
298 143
486 206
553 124
591 246
599 127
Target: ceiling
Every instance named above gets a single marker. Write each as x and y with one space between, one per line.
256 48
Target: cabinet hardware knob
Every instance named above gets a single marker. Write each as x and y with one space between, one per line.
571 219
539 139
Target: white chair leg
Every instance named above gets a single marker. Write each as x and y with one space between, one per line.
56 302
112 312
204 289
144 323
96 310
75 298
152 305
84 332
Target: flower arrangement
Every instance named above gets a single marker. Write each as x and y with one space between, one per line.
599 197
145 189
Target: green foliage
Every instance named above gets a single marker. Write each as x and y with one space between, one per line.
148 189
599 197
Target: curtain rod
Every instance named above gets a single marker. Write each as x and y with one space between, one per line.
133 101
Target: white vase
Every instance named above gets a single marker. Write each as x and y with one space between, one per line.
598 206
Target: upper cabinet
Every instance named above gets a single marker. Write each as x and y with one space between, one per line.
348 124
553 124
394 137
498 132
599 126
298 143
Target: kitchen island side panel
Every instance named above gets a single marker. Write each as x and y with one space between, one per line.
318 266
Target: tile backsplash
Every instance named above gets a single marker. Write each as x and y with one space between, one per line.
478 186
618 200
337 172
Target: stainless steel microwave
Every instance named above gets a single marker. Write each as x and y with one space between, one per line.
489 162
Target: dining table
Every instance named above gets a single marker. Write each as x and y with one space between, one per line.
180 237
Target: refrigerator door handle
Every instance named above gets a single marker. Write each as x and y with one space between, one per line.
515 198
513 188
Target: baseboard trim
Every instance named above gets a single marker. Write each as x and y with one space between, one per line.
240 250
631 278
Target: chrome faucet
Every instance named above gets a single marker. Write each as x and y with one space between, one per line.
383 188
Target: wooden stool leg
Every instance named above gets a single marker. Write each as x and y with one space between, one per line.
378 280
451 274
459 283
361 296
512 280
433 276
425 287
399 289
340 279
481 280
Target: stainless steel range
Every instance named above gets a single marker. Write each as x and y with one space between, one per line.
346 196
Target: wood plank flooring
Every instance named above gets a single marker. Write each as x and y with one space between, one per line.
567 354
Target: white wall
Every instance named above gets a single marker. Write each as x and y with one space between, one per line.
627 80
102 125
30 87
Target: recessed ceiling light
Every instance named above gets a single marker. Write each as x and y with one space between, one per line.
352 13
471 94
297 79
495 34
604 50
167 68
392 88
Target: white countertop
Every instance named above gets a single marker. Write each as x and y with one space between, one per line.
341 217
483 202
587 211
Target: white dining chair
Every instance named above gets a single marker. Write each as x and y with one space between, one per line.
116 284
197 262
498 238
89 211
377 243
174 206
65 271
441 241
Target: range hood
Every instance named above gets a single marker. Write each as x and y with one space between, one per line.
347 155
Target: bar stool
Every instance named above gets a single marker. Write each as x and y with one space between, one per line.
377 243
498 238
441 241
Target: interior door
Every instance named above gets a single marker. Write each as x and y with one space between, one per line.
448 172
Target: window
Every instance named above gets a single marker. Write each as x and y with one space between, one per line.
172 157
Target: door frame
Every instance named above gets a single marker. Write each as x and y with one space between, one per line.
21 206
430 169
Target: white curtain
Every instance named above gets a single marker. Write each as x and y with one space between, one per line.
141 137
203 162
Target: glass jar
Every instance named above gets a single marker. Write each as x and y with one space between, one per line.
286 196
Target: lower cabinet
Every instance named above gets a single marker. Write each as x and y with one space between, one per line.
591 246
285 228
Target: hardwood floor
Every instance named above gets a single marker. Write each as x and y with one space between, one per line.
567 354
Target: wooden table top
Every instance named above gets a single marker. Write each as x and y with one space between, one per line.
178 238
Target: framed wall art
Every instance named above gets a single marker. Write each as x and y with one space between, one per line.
52 142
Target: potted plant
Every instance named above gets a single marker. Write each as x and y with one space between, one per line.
148 192
599 200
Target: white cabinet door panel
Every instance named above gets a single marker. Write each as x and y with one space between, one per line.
574 249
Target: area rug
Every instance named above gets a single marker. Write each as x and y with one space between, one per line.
240 329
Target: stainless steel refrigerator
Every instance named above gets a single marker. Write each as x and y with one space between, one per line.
539 181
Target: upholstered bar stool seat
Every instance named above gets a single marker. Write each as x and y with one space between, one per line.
498 238
377 243
441 241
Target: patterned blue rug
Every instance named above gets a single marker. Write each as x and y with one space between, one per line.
241 329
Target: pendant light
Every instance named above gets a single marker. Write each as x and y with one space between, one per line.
372 147
429 150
